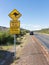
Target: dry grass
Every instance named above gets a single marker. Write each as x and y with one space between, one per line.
6 47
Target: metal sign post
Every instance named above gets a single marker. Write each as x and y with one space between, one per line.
14 26
14 46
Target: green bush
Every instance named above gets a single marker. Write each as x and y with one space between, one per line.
23 32
10 39
6 38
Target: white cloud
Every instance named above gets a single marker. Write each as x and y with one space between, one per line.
33 27
30 26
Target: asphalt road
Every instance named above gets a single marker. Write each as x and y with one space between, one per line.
31 53
44 39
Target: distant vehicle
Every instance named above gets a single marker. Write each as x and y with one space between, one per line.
31 33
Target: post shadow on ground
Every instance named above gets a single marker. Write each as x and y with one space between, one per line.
7 56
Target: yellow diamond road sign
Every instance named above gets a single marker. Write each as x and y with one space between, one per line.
14 14
15 27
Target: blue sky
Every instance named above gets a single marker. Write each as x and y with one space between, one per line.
35 13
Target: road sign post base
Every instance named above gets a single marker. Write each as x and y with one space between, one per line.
14 46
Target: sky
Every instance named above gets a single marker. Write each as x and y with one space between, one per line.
35 13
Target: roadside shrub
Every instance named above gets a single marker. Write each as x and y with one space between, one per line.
6 38
3 38
10 39
22 33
